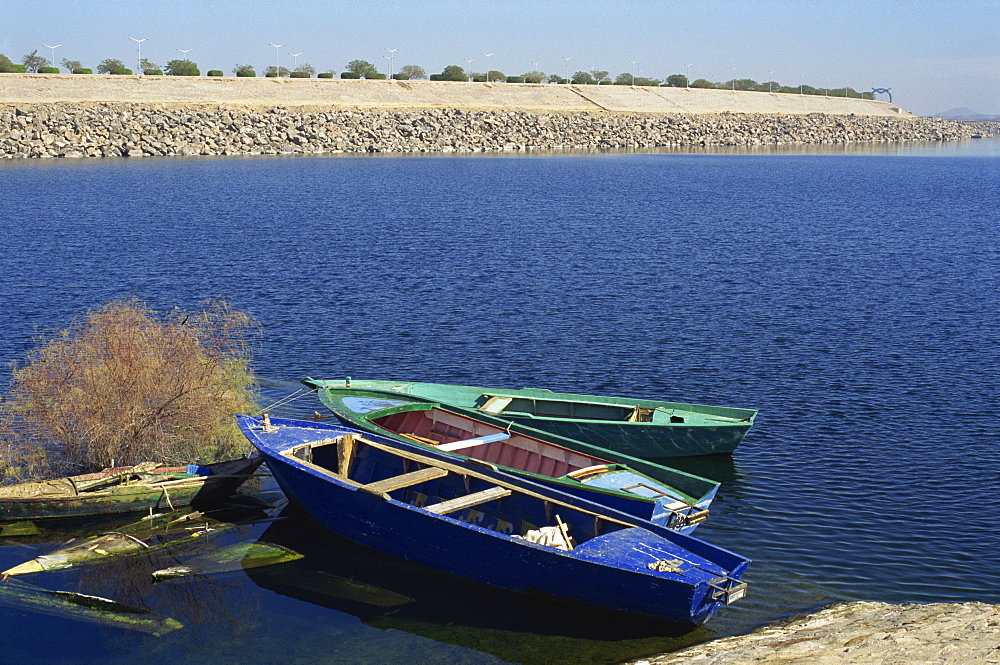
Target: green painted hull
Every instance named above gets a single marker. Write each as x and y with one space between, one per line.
60 497
647 429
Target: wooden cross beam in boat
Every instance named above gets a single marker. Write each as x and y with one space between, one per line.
461 470
468 501
386 485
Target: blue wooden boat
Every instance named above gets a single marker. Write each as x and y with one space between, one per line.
484 525
663 495
644 428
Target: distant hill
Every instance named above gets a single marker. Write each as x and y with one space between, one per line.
965 114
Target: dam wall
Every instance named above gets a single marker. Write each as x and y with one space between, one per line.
361 93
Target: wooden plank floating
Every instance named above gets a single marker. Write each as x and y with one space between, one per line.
469 500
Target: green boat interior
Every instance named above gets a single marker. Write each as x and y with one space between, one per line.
525 407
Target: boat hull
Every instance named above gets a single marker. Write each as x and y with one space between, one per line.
224 479
670 429
610 571
650 442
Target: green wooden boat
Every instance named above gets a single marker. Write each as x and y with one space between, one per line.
125 489
643 428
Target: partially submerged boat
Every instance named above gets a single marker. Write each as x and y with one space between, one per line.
648 429
488 526
24 597
169 532
126 489
671 497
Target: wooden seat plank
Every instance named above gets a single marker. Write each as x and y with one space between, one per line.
495 404
387 485
468 501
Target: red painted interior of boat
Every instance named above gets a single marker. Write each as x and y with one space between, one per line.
518 452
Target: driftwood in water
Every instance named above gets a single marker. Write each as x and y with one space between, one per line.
82 607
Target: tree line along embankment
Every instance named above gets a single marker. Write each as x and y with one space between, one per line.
103 116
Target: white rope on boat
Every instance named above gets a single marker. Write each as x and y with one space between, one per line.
287 399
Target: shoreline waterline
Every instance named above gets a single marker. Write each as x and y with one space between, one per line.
853 632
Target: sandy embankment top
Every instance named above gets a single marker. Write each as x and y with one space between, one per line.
344 93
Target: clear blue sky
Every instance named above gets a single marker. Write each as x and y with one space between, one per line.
934 54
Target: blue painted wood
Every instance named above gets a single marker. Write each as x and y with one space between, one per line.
609 567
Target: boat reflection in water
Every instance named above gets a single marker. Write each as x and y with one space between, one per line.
106 603
389 593
323 597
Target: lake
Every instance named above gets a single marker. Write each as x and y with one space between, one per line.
849 294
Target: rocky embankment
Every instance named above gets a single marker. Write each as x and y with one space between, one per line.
864 632
982 128
133 129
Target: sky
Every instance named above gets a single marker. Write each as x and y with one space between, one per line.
934 55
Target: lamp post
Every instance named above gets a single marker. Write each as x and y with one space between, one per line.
487 55
535 65
826 86
687 77
53 52
139 48
185 51
277 60
468 63
734 79
567 59
632 71
770 80
295 60
846 87
391 51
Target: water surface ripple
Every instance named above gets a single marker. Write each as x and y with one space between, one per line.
853 299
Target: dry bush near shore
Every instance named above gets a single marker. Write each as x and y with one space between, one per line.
123 385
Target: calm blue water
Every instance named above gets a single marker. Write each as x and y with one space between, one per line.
852 297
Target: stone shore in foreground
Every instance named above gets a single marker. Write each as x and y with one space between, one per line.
860 632
136 130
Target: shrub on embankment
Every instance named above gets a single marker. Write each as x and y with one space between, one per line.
120 129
